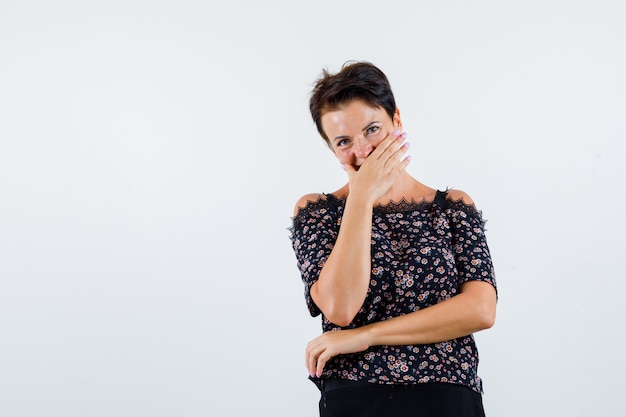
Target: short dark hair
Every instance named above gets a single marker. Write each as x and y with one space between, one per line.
356 80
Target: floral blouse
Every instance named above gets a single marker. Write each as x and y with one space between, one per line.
421 253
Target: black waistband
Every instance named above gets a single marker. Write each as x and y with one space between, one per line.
331 384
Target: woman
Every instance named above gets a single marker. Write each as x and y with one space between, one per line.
400 272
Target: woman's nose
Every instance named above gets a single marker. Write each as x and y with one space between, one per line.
362 148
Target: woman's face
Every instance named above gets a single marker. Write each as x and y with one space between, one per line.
356 129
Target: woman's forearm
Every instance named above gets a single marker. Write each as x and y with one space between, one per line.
344 280
468 312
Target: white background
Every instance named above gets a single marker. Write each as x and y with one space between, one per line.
151 153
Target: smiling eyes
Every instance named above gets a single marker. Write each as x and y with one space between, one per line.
372 129
370 132
342 143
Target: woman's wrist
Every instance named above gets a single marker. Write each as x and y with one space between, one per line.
360 200
369 334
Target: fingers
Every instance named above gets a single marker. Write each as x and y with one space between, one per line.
376 174
317 354
310 360
330 344
390 145
321 362
395 152
388 154
396 149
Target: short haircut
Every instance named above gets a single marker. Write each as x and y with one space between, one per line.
356 80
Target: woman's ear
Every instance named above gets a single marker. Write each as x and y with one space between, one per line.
397 120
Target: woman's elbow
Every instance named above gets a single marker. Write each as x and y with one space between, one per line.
339 311
489 320
482 303
486 315
340 317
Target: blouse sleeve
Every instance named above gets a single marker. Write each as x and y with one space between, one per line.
469 243
313 236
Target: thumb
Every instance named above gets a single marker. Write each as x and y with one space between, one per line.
349 170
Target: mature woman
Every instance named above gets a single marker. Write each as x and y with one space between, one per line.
400 272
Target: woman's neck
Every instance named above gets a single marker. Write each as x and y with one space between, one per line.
404 188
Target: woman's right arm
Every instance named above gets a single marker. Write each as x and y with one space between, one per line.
343 281
341 287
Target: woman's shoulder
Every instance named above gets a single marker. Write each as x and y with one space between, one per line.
311 199
313 202
306 200
461 204
459 196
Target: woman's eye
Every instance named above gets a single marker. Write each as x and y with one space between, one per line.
342 142
372 129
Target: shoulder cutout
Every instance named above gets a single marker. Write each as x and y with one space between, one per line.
306 199
458 195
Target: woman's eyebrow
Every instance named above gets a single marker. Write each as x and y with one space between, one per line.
369 125
340 138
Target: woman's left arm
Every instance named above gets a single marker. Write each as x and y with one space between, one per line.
473 309
470 311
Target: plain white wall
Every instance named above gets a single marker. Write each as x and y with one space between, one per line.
151 154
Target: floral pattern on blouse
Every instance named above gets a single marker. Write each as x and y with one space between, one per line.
421 253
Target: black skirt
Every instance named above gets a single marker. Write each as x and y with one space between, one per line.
342 398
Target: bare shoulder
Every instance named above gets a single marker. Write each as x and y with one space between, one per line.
306 199
459 195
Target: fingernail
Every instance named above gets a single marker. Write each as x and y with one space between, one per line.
408 158
403 135
406 145
396 132
343 166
